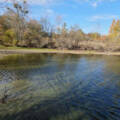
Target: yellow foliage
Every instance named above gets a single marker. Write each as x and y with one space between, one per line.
9 38
115 30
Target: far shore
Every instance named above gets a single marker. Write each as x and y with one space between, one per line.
11 51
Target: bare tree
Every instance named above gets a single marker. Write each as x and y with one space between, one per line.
48 28
18 11
59 22
46 25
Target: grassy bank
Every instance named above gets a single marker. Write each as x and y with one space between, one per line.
18 50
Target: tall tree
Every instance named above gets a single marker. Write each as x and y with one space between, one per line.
114 32
18 11
112 26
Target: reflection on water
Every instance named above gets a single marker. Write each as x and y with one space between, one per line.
60 87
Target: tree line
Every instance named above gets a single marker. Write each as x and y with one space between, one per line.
17 30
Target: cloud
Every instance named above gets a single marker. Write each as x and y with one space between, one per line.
95 3
44 3
36 2
41 2
49 11
103 17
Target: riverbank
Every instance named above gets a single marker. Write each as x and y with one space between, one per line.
10 51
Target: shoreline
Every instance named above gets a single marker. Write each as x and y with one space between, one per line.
6 52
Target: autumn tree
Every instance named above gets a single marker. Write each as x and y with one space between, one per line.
5 29
34 34
17 14
114 32
94 36
112 26
76 35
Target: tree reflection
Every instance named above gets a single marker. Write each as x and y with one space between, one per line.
22 61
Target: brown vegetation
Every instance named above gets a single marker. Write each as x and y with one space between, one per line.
17 30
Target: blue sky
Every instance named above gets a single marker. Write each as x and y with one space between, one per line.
90 15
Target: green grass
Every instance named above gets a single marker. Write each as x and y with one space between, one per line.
46 50
23 48
3 47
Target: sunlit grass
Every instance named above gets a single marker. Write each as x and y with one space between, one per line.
24 50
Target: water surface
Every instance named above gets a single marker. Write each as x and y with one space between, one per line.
60 87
